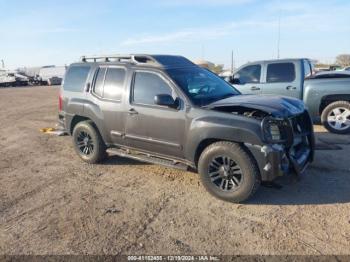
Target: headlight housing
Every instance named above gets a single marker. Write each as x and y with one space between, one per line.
275 130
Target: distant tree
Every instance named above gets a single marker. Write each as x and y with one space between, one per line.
217 69
343 60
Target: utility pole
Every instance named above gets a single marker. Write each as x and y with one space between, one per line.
279 35
232 63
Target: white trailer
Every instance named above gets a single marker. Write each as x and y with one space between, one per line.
7 79
52 75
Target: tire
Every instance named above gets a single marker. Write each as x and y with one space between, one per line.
88 142
336 117
243 170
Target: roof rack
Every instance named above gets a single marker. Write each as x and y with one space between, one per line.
134 59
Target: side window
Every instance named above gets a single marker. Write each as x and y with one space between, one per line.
98 88
109 83
114 83
280 72
250 74
147 86
75 78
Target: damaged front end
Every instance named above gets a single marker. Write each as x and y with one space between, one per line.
288 145
287 141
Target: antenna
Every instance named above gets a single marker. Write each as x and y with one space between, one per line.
279 35
232 62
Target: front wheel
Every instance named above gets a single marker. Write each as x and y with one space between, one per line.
228 172
336 117
88 142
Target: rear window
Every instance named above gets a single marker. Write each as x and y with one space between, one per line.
280 72
307 69
76 78
250 74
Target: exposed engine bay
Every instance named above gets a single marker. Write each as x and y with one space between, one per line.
244 111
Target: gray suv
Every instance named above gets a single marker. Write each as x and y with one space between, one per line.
164 109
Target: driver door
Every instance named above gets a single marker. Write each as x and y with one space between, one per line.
150 127
248 79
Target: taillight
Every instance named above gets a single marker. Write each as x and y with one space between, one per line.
60 102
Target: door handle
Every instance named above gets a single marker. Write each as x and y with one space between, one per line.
291 88
254 88
132 112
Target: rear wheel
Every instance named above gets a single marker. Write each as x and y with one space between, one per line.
88 142
336 117
228 172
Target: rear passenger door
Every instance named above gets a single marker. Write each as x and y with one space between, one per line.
248 79
281 79
107 94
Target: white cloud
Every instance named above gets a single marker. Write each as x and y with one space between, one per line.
182 35
194 34
296 17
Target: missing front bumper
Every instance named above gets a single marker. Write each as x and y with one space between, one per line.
275 161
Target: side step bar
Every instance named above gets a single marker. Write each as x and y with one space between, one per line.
143 157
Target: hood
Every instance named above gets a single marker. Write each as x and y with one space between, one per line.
276 106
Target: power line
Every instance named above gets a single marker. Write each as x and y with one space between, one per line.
279 35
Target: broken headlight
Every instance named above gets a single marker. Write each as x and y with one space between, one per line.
275 130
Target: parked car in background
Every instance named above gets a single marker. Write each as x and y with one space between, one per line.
46 75
327 97
331 74
166 110
335 68
52 75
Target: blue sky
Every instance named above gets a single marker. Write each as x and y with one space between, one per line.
59 32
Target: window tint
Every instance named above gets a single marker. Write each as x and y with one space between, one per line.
282 72
307 69
98 89
250 74
147 86
75 78
114 83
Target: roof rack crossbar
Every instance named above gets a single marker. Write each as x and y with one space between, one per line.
135 59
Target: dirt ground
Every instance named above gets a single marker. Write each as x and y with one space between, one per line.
53 203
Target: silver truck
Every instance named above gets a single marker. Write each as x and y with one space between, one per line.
327 97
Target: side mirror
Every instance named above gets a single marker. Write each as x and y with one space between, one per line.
165 100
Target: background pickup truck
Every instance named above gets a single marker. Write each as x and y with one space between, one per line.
327 98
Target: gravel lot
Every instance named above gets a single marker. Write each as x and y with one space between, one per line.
53 203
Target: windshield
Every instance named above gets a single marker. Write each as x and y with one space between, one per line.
201 86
